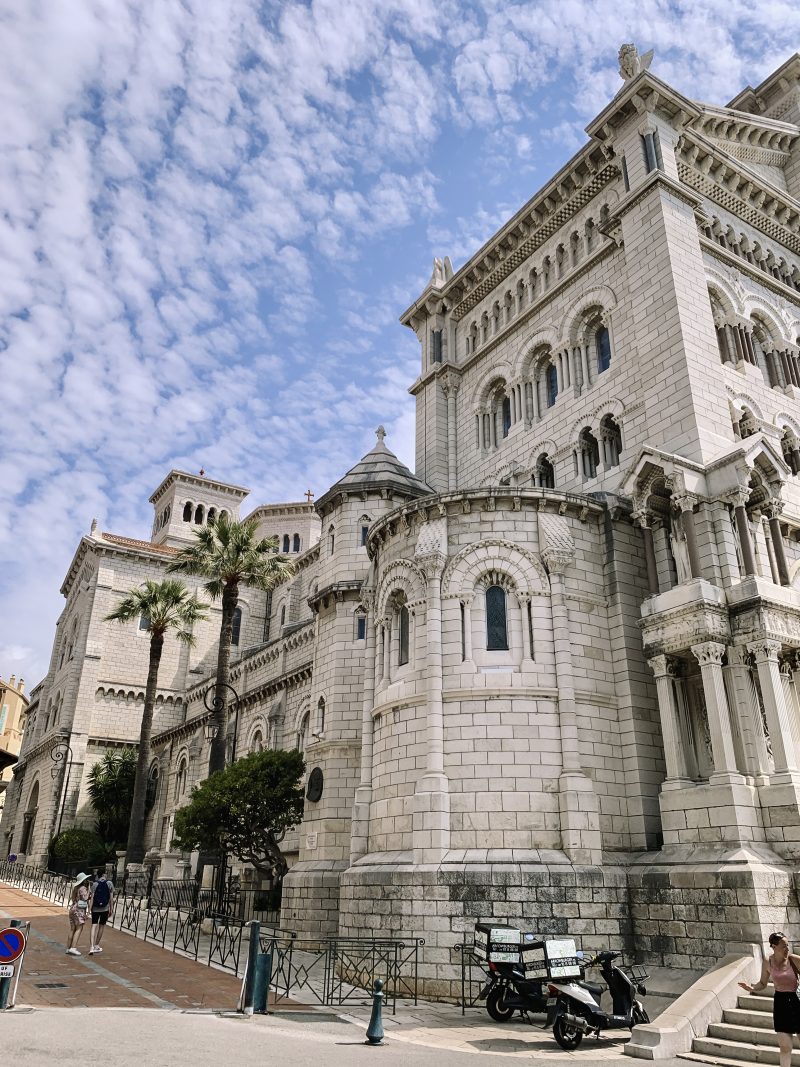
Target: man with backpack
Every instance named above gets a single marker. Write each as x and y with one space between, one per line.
102 901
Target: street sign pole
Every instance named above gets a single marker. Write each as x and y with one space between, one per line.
12 947
21 964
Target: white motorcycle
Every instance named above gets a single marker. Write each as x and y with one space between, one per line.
573 1010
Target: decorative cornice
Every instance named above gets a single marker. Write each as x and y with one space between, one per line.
744 266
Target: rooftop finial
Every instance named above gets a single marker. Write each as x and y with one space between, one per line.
631 63
202 473
380 433
309 495
93 529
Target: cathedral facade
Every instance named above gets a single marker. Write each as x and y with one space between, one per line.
553 674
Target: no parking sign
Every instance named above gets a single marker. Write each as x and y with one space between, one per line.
12 945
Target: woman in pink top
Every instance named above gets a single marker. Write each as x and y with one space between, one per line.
782 969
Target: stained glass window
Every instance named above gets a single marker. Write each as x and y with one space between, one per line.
403 657
552 385
496 622
506 415
603 342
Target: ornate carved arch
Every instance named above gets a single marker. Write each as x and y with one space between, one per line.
539 340
464 572
499 374
601 296
757 307
400 575
724 290
740 401
784 420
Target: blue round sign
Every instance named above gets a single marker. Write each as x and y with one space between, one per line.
12 945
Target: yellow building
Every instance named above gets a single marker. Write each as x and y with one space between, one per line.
13 712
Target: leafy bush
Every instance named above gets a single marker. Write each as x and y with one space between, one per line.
79 844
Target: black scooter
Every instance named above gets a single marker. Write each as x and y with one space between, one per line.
508 990
573 1010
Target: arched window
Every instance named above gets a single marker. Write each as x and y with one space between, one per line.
321 715
403 622
361 625
180 778
212 514
611 436
545 473
236 626
151 792
224 515
167 513
296 543
747 424
199 514
144 622
285 547
551 383
283 615
187 511
589 453
331 540
257 744
496 619
363 530
302 733
602 342
506 411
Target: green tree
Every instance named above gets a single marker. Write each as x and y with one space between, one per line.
158 607
111 783
246 810
229 554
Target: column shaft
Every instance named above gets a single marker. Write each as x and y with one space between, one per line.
674 757
650 560
778 721
691 543
719 720
451 440
562 640
779 550
745 541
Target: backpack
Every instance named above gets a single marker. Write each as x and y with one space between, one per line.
102 895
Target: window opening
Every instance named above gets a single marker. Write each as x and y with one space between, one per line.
404 627
506 415
285 548
236 626
551 378
496 620
296 543
603 344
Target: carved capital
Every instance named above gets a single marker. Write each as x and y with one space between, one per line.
432 566
662 666
450 382
772 508
709 652
738 496
684 501
557 560
765 650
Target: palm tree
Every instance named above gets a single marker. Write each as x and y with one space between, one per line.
111 782
159 607
229 554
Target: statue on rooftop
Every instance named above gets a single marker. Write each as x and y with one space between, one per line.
631 63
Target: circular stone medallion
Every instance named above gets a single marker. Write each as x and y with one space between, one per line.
314 788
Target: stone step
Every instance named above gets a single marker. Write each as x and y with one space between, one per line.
755 1002
701 1057
747 1034
760 1020
738 1051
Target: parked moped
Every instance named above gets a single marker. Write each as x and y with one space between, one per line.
573 1010
509 990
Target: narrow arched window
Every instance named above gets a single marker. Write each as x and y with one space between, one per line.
224 515
551 379
151 792
361 626
180 779
296 543
283 616
236 626
363 530
257 744
545 473
302 733
506 406
331 540
285 547
496 620
321 715
199 514
212 514
144 622
602 342
404 628
187 511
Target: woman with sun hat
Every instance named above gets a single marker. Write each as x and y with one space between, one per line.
80 900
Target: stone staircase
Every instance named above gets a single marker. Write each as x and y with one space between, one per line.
745 1035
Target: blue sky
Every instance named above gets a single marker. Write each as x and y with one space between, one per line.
213 213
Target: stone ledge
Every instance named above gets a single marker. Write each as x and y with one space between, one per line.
690 1015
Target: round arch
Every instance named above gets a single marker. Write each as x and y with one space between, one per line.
401 575
465 571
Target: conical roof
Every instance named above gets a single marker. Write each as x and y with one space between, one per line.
379 469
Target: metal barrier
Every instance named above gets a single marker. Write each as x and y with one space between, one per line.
186 939
474 974
48 884
333 971
226 944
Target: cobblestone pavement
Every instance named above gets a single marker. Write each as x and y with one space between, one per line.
128 974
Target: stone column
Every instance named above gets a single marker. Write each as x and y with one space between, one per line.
431 818
778 720
790 699
579 807
709 655
642 518
772 510
674 756
585 366
685 502
739 497
746 708
467 602
359 831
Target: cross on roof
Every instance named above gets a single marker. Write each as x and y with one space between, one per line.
309 495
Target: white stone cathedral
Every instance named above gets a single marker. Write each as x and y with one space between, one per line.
553 674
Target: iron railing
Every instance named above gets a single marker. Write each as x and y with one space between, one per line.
474 973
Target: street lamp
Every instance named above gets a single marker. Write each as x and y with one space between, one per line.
212 731
60 753
218 704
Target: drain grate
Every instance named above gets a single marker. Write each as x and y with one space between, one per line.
50 985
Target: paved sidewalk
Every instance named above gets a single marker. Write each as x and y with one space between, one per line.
129 973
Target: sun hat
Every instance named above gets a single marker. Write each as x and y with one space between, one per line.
81 879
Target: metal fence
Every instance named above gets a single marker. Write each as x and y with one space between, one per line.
335 971
193 922
474 973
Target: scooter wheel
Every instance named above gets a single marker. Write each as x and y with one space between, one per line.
496 1005
639 1015
567 1035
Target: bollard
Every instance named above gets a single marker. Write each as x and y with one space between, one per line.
261 981
375 1028
249 974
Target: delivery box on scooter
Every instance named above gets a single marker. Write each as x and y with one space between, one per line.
497 943
555 959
